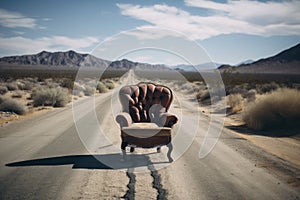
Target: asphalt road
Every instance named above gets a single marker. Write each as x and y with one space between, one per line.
44 157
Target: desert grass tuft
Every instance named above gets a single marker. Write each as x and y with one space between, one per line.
267 87
12 86
276 110
3 89
101 87
109 83
17 94
89 90
11 105
235 101
56 97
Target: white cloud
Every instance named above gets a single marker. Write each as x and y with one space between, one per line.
19 32
150 32
256 12
249 17
21 45
13 20
46 19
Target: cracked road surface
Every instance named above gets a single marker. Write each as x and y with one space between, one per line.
44 158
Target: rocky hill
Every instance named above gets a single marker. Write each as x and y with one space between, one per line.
285 62
74 59
199 67
127 64
68 58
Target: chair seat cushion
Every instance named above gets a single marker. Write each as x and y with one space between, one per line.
145 130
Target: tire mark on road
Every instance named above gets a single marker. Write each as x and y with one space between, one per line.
130 193
162 193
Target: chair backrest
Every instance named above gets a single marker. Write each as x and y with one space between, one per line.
138 99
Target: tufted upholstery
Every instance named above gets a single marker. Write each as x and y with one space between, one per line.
147 102
145 121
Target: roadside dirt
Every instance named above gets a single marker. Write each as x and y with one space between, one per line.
24 98
286 148
8 117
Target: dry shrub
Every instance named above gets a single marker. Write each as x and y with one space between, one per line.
17 94
296 86
56 97
78 89
203 96
12 86
250 95
12 105
90 82
101 87
198 83
267 87
279 109
3 89
25 85
89 90
116 79
50 83
109 83
78 93
238 89
178 85
20 85
235 101
87 86
31 79
187 87
67 83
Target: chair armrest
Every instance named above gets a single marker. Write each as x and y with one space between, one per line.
124 119
167 119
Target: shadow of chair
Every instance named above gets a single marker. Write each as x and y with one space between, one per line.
106 161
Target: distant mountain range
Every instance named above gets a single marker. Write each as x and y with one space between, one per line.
184 67
69 58
74 59
285 62
249 61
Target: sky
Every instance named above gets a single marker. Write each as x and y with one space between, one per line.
227 31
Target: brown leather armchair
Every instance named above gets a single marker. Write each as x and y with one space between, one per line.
145 121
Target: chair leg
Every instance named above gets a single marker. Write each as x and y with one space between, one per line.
124 154
158 149
123 147
131 149
170 146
